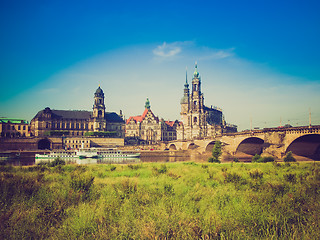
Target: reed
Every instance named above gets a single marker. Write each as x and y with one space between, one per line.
180 200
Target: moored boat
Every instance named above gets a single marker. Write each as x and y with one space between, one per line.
105 153
63 155
83 153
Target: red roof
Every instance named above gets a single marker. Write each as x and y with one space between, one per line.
140 118
170 123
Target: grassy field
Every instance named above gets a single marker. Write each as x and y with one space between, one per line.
182 200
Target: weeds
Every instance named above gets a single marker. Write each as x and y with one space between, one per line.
162 201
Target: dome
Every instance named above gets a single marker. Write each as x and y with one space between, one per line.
99 92
184 99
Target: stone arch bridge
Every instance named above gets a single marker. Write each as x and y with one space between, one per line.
302 141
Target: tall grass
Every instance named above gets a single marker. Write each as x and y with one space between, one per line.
184 200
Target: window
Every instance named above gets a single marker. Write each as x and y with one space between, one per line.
24 127
19 127
195 120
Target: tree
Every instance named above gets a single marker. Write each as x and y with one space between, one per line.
216 152
289 157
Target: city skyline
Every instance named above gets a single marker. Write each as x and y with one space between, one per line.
257 61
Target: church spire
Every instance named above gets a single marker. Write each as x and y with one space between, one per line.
186 85
196 74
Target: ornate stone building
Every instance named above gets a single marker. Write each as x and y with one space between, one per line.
14 128
149 128
78 123
199 121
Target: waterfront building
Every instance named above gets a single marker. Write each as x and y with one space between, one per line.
14 128
50 122
149 128
199 121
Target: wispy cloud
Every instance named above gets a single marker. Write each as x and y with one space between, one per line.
216 54
167 50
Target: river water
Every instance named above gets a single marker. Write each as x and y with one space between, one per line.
29 159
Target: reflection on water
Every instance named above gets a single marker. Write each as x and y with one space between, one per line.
25 161
29 159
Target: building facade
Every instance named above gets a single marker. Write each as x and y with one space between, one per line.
149 128
199 121
98 122
14 128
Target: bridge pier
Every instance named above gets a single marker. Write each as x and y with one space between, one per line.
276 142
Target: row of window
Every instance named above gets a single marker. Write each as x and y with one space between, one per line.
15 127
77 141
12 135
67 125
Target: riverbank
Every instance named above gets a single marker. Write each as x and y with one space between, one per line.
180 200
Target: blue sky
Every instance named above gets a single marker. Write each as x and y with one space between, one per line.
258 60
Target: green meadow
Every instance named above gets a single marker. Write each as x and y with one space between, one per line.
179 200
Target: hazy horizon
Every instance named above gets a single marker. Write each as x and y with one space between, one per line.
257 61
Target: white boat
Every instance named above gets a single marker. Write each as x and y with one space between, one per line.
105 153
82 153
64 155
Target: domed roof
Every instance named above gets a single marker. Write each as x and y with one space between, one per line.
99 90
184 99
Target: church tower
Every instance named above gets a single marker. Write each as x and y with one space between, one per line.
192 110
99 109
185 105
196 99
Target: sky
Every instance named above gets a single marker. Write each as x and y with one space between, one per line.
258 60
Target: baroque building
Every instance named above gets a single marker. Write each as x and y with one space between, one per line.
149 128
199 121
79 123
14 128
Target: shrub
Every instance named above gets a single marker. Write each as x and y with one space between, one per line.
256 158
168 189
268 159
134 166
213 160
290 177
81 182
125 188
57 162
231 177
162 169
236 160
256 174
289 157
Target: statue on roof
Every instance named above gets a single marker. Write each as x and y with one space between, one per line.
147 105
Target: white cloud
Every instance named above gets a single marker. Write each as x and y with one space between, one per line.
167 50
242 88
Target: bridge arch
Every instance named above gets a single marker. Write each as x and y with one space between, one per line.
251 146
172 146
192 146
209 146
44 143
307 146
